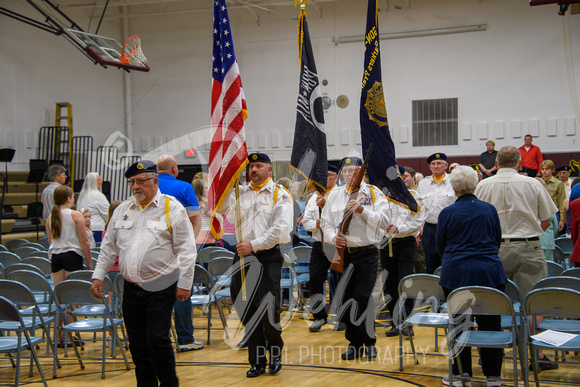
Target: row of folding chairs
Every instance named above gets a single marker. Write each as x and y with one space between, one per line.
90 315
555 298
21 254
13 244
554 269
563 250
220 270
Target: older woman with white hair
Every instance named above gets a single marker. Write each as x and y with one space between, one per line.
91 198
468 239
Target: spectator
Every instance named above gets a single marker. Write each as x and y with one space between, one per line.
575 222
68 241
531 156
167 171
57 176
555 189
468 239
204 237
524 208
87 216
96 202
168 184
487 160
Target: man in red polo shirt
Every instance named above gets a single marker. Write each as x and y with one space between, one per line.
531 156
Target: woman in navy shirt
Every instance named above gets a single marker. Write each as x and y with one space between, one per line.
468 239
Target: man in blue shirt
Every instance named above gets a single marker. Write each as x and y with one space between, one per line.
183 192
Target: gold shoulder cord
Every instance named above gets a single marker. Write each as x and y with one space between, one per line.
167 217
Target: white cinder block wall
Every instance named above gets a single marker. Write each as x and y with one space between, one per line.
511 78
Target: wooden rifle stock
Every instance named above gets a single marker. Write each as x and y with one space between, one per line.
354 186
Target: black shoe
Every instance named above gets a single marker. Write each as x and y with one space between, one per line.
255 371
545 364
410 330
275 365
316 325
340 327
394 331
352 353
371 352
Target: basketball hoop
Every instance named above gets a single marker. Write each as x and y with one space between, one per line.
132 53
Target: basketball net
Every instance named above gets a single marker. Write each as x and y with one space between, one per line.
132 53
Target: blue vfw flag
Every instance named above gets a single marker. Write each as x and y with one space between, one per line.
374 126
309 148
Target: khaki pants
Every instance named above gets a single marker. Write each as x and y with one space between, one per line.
524 263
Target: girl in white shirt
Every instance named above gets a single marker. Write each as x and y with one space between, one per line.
67 236
68 241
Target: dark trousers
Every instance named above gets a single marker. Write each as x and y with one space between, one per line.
400 265
263 330
148 320
491 358
357 310
432 257
319 264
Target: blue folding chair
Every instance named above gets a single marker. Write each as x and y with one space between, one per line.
21 342
558 303
467 301
71 293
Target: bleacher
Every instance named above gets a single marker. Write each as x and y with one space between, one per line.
18 194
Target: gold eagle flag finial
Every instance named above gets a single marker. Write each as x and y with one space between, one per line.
301 3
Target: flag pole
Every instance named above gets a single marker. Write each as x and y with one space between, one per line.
239 232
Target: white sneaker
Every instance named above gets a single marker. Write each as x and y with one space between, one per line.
456 383
493 382
190 346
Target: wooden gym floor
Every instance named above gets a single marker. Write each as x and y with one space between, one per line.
310 359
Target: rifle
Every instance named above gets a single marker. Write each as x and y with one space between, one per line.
354 186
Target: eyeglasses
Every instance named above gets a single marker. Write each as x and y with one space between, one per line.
138 182
350 171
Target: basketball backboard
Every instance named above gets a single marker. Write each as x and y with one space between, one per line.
105 51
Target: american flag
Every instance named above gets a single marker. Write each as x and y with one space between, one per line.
228 153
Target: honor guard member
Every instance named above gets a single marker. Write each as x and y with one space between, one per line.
564 176
267 214
153 238
437 194
322 254
405 226
368 225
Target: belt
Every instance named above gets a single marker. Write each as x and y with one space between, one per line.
395 239
533 239
360 249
